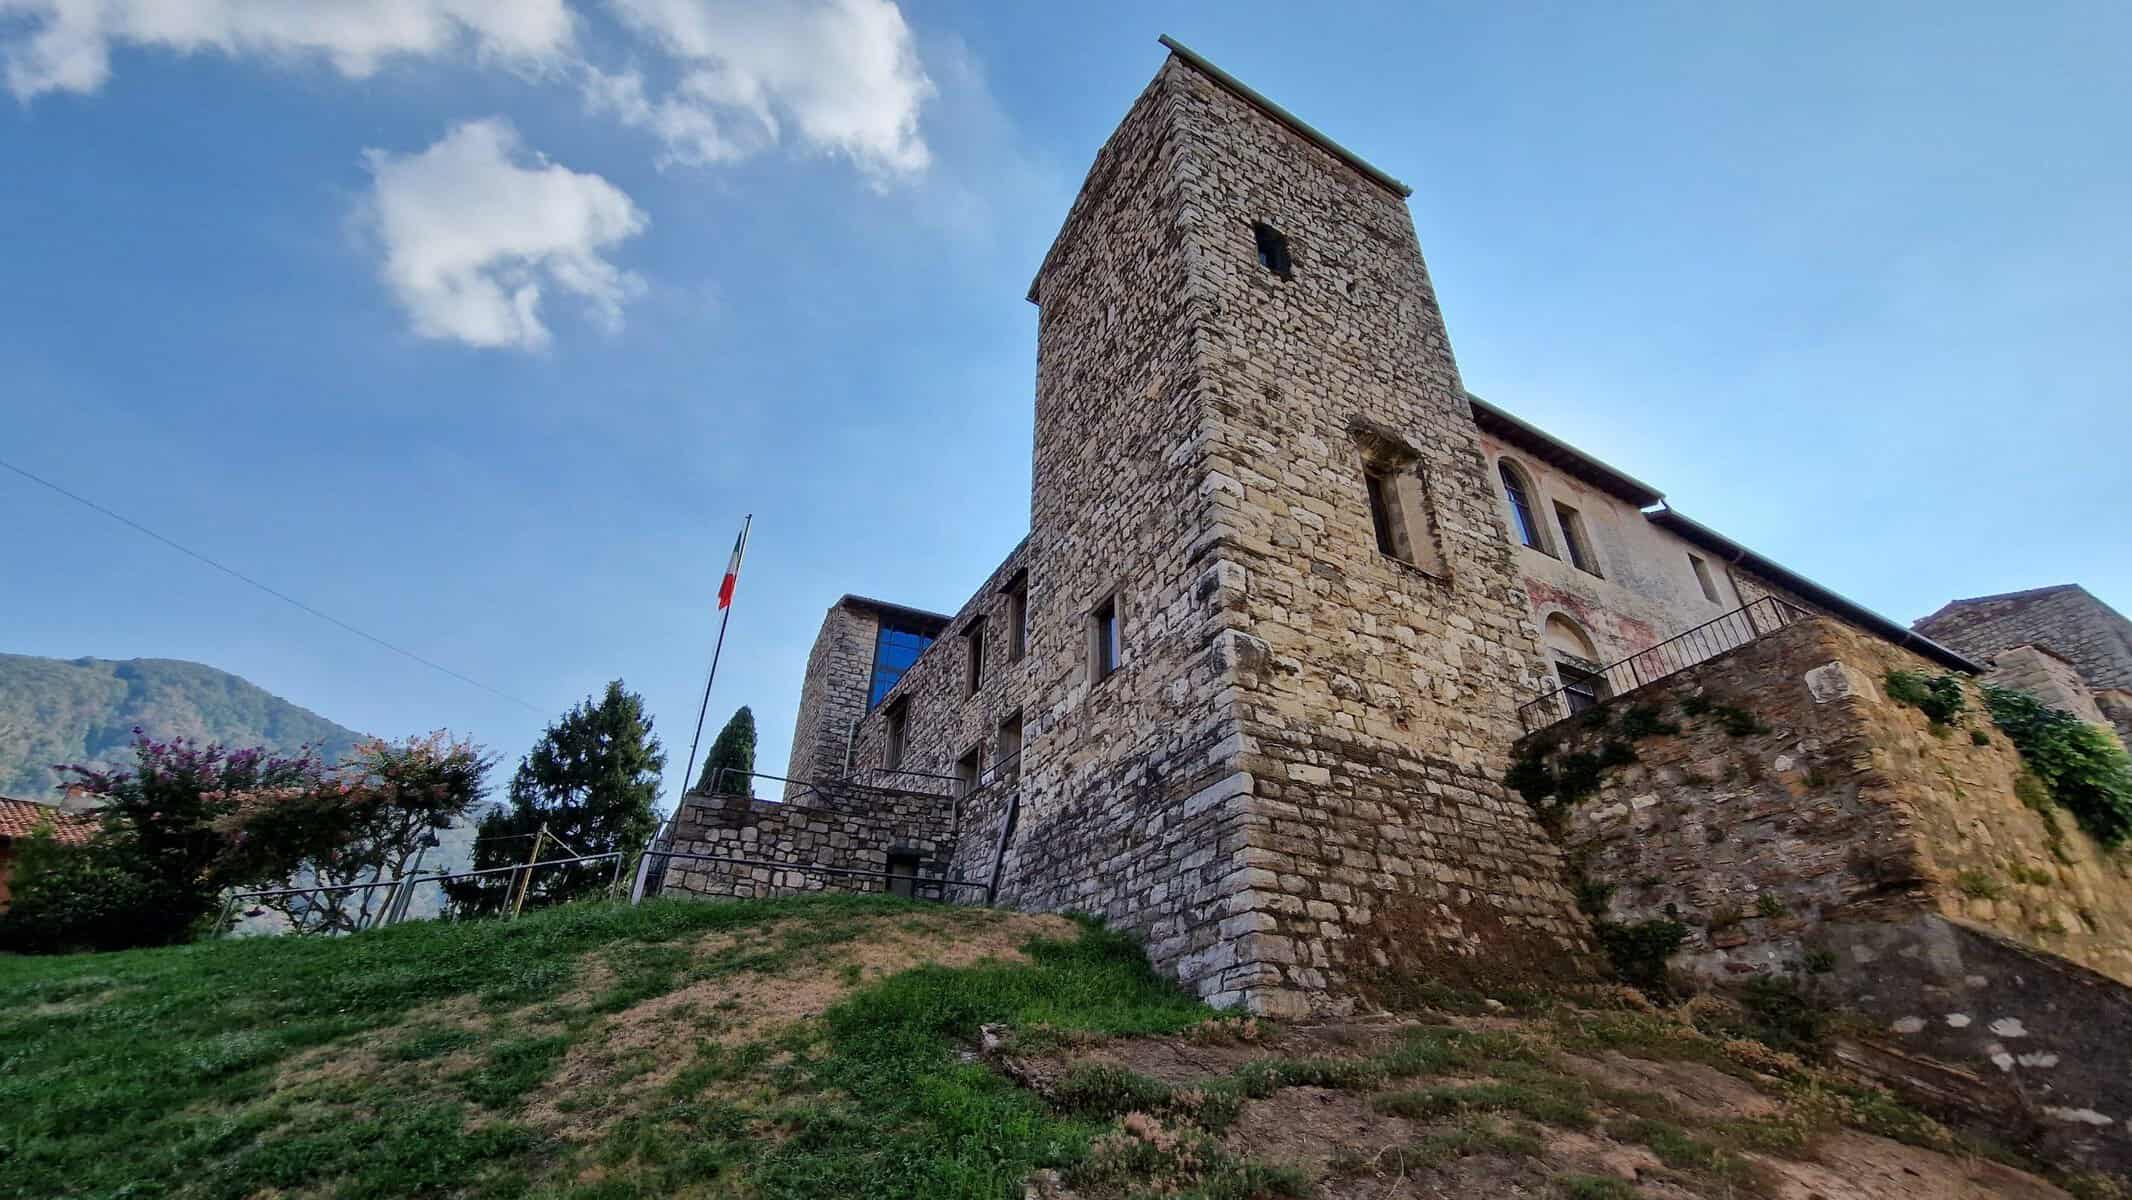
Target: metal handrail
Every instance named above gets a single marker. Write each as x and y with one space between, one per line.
229 904
1706 641
825 788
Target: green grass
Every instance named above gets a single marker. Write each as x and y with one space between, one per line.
203 1070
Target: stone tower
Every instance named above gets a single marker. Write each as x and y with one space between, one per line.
1255 456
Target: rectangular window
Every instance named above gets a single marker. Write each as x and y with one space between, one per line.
1581 689
1018 617
1272 250
1702 576
1010 747
1399 515
1574 537
895 649
967 770
898 721
1104 647
974 634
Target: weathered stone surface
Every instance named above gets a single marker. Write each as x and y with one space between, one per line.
1754 840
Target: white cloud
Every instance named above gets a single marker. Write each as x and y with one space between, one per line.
844 75
840 77
65 45
475 227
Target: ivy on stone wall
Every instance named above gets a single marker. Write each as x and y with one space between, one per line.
2082 766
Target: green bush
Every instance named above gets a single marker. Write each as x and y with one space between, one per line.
1938 697
87 898
2082 766
1639 951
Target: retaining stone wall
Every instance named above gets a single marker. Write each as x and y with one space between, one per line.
851 828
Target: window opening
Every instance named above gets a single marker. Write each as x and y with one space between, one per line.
895 649
1702 576
1528 529
898 719
1018 618
974 634
1272 250
1104 645
1573 535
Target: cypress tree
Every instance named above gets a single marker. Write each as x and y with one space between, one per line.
734 749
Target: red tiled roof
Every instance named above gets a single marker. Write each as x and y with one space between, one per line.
18 818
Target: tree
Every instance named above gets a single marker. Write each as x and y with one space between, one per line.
732 752
590 781
410 792
185 825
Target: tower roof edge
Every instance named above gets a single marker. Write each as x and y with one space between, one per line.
1251 96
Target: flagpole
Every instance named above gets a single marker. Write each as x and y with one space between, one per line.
702 710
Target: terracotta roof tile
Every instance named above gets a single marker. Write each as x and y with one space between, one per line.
19 817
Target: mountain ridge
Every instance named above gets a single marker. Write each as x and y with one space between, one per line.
83 711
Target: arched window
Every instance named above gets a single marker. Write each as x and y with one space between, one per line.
1576 663
1519 493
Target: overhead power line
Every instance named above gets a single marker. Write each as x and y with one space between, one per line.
282 596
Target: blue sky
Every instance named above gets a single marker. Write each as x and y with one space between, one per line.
481 325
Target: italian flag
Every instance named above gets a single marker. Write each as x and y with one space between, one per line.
732 570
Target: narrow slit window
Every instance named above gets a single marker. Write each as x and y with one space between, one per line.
1018 618
1272 250
898 721
1104 648
974 634
1384 513
1575 538
967 770
1702 577
1009 758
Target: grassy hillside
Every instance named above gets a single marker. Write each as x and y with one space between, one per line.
84 710
874 1047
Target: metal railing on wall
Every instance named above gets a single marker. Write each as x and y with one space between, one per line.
733 781
1670 657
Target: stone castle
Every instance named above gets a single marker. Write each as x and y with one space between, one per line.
1293 602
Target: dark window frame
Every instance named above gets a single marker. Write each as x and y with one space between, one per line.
1384 512
895 732
1517 491
1106 639
895 640
1017 593
1273 252
973 634
1576 540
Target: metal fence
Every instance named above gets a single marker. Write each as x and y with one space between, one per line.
1582 690
399 893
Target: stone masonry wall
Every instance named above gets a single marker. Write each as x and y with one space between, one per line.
833 693
1841 797
1117 817
2067 620
2048 678
1831 834
1645 591
1375 699
944 720
848 828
